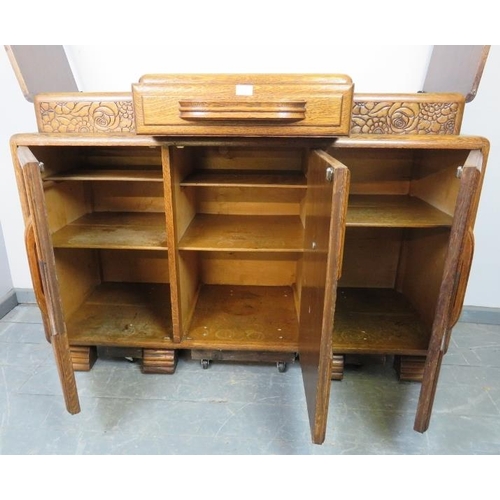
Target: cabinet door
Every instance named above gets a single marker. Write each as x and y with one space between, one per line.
453 284
325 211
42 255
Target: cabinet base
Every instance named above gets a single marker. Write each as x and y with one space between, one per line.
409 368
83 358
159 361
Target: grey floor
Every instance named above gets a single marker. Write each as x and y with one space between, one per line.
240 409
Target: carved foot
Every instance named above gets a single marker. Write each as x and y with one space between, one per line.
409 368
159 361
83 358
337 366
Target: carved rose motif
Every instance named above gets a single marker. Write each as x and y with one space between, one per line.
87 117
404 118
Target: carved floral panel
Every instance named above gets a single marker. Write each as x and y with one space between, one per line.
389 117
86 117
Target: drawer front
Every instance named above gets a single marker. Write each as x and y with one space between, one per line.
243 105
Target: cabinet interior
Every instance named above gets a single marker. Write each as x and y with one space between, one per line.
399 218
239 219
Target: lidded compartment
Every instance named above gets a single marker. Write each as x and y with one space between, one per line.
243 105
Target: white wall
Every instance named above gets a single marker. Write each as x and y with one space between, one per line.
481 118
5 279
16 115
372 68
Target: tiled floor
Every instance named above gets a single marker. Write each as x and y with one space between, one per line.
240 409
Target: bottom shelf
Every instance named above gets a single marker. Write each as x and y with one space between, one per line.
244 317
123 314
377 321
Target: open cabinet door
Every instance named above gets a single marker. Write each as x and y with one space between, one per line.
42 255
453 284
325 211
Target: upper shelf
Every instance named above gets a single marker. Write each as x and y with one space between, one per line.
85 174
393 211
233 178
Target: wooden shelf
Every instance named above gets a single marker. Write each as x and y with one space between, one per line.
127 175
244 317
114 230
256 233
393 211
123 314
377 321
237 178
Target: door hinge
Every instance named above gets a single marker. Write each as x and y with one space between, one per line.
41 166
329 174
460 171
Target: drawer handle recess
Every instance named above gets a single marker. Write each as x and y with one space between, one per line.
277 111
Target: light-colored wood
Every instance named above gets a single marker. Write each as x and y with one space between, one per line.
159 361
246 179
65 203
377 321
326 207
123 314
248 200
114 230
83 174
127 197
256 233
393 211
248 268
77 274
244 318
238 158
83 358
371 257
138 266
241 105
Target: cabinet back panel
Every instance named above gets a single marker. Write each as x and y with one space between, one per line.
221 158
248 201
134 266
223 268
77 274
119 157
128 197
371 257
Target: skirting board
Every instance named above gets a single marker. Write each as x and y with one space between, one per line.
470 314
8 302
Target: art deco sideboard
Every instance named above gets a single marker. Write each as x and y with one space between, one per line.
271 217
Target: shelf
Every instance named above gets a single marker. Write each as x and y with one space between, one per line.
237 178
377 321
393 211
123 314
244 317
128 175
256 233
114 230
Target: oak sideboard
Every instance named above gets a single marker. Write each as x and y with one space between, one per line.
251 217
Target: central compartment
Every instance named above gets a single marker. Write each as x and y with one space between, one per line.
239 224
